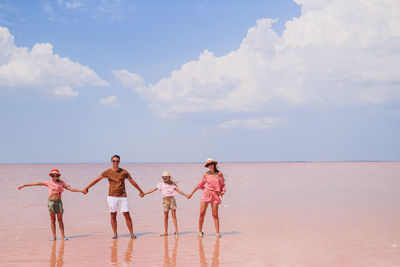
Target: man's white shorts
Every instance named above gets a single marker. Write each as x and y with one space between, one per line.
118 203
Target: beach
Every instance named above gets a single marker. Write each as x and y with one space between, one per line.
273 214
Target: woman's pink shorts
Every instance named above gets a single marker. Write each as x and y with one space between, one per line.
210 197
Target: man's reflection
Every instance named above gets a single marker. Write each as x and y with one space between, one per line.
57 260
128 252
170 261
114 252
215 258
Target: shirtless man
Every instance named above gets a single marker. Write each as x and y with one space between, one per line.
117 198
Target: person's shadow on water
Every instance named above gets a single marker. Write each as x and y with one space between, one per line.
215 258
57 260
170 261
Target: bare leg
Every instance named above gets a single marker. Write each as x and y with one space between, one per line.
114 222
166 222
128 220
175 221
203 209
61 224
53 224
215 216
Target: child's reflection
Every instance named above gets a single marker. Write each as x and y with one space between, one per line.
215 258
114 252
170 261
54 259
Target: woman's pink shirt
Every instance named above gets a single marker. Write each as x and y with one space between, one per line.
214 183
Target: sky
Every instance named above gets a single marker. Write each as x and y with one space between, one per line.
182 81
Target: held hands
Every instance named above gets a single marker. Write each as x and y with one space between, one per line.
85 191
142 194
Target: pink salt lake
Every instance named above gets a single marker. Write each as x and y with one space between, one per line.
274 214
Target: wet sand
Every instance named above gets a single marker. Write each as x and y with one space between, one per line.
274 214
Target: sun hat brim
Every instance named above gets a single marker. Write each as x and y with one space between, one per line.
210 161
54 172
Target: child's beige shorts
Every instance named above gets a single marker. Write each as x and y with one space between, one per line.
169 203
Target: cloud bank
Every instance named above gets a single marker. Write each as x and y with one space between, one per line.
259 123
337 53
40 70
110 101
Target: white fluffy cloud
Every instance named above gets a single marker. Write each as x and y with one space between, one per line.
40 69
110 102
338 52
259 123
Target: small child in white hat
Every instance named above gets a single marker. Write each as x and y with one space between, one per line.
168 188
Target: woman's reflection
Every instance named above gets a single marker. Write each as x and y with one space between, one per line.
54 259
215 258
170 261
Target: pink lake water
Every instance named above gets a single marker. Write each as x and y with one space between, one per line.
274 214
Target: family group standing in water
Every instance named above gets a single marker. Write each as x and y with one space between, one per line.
212 184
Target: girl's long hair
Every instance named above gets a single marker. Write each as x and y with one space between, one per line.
172 182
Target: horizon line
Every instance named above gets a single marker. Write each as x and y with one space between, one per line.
198 162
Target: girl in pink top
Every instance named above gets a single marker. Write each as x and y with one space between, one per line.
168 188
212 193
55 187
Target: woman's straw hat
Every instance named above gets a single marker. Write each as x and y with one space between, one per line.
165 174
210 160
54 171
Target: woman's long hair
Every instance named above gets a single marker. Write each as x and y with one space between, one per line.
215 167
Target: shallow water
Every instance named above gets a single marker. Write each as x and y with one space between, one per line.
274 214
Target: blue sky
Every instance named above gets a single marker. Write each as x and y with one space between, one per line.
180 81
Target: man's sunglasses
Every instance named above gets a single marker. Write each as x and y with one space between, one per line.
115 161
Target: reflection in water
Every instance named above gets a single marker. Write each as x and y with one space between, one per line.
215 258
170 261
114 252
128 252
57 260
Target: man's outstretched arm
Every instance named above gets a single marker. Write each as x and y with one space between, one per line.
95 181
135 185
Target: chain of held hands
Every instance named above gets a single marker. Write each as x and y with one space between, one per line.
141 194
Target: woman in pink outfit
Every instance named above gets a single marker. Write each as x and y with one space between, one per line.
212 194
